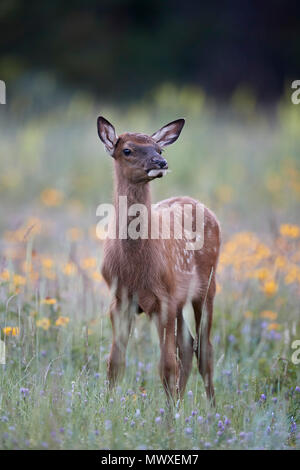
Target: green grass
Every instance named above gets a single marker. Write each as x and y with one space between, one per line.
244 164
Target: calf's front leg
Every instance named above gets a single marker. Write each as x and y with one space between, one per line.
122 317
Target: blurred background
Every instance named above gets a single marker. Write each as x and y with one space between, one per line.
226 69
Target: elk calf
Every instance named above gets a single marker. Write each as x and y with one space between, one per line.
158 275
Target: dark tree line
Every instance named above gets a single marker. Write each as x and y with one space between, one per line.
124 48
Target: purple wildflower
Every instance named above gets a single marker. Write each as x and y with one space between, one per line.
108 424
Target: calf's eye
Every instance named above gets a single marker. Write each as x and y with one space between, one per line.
127 152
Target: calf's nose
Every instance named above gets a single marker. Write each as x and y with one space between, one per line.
161 162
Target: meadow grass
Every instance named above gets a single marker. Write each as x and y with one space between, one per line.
242 163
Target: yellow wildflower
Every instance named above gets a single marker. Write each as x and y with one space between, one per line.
262 274
47 263
293 274
69 269
270 287
62 321
97 276
289 230
11 331
280 262
51 197
88 263
19 280
43 323
49 301
74 234
274 326
268 314
5 275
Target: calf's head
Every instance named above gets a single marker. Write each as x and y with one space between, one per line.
139 156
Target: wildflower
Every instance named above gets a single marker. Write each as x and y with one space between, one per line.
47 263
162 411
268 314
293 427
49 301
231 339
200 419
108 424
226 421
274 326
177 415
19 280
270 287
43 323
138 413
68 410
190 394
297 389
263 397
11 331
262 274
221 425
97 276
132 423
62 321
274 399
24 391
188 431
74 234
5 275
293 274
289 230
51 197
88 263
69 269
158 419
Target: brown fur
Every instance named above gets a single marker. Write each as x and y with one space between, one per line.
159 276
